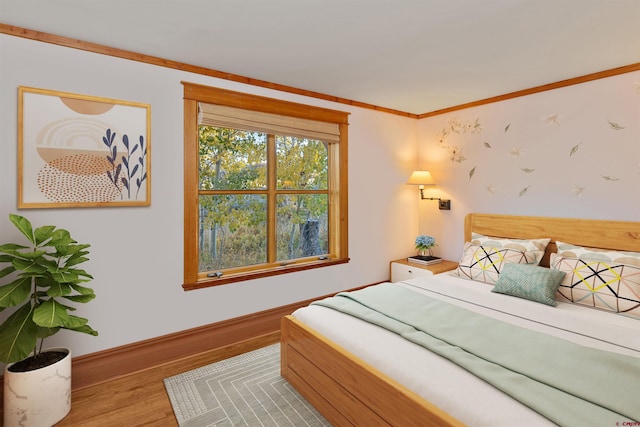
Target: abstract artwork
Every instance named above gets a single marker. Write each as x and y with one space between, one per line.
82 151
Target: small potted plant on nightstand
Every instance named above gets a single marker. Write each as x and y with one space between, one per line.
424 245
44 280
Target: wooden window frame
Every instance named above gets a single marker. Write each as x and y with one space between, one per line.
338 183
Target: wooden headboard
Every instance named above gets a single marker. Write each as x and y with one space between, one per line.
620 235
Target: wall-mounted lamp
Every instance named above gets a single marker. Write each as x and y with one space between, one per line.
423 178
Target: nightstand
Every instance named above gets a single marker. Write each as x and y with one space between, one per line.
402 269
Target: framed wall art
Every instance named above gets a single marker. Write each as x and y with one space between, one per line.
82 151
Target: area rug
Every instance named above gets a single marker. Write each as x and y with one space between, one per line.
246 390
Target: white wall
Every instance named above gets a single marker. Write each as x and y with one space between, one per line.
138 286
555 153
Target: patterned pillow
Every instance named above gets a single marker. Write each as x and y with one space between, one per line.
568 250
534 246
484 263
529 282
607 285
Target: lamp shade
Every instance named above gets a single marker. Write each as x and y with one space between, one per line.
421 178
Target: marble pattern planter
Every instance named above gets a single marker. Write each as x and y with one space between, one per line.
38 398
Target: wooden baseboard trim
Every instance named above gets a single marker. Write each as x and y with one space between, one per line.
96 368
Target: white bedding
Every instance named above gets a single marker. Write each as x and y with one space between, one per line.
450 387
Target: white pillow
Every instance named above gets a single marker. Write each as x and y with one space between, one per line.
484 263
532 246
568 250
611 286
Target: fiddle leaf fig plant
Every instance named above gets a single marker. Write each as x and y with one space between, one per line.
43 281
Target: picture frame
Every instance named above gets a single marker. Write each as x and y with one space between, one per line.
82 151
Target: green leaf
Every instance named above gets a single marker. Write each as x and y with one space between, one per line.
72 250
23 225
61 238
85 329
75 322
63 251
49 264
33 255
29 266
7 270
15 292
11 250
83 273
64 276
41 295
75 259
59 289
83 290
50 314
18 335
11 247
43 281
44 233
80 298
42 333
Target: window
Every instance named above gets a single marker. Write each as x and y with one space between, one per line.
265 186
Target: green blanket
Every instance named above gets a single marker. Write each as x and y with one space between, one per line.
567 383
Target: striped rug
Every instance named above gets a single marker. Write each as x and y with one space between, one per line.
246 390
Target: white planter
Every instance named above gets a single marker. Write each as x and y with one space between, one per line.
38 398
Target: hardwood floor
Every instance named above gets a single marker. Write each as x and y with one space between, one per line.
140 399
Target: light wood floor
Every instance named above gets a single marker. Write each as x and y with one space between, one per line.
140 399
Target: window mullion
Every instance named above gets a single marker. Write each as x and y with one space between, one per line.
271 199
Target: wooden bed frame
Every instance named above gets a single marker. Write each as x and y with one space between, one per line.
348 391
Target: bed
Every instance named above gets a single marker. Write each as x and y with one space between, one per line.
357 373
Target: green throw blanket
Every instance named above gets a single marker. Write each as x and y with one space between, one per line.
569 384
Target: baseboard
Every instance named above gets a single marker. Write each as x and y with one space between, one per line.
96 368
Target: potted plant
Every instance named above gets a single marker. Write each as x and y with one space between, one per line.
42 282
424 245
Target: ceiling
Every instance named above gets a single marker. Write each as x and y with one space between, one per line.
414 56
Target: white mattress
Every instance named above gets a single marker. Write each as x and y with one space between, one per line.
450 387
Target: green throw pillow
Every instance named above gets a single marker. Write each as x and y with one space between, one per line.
529 282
